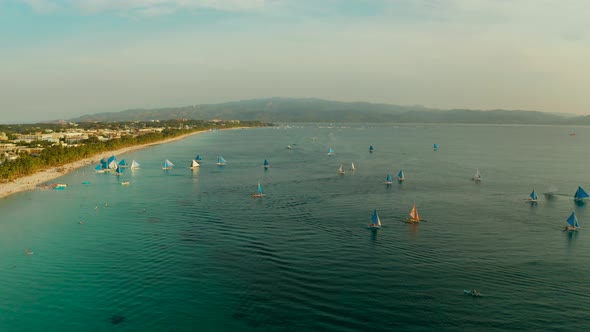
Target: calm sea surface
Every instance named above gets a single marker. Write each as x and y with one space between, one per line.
184 250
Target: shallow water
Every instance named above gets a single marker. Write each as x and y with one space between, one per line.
186 250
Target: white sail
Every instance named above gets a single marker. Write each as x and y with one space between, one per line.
352 167
194 164
134 164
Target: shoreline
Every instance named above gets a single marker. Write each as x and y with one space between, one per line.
35 181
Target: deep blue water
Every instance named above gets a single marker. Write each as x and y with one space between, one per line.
184 250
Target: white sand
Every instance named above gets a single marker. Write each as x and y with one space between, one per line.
36 181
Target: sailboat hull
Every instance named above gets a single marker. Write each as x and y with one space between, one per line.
373 227
257 195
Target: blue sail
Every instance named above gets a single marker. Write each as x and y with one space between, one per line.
581 194
375 218
123 163
111 159
573 221
435 146
260 189
167 164
118 170
389 178
198 158
104 164
266 163
330 151
98 167
534 195
220 159
400 175
371 148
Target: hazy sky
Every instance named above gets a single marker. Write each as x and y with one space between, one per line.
62 58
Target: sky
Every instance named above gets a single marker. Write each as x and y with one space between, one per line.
64 58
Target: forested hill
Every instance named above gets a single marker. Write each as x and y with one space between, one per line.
318 110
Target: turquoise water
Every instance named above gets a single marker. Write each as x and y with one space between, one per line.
192 251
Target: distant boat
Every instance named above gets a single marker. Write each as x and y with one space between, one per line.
352 167
124 183
167 164
389 179
477 176
220 161
265 164
112 162
60 186
435 147
123 164
118 171
340 170
580 194
198 157
99 169
533 196
375 221
194 164
291 146
371 149
414 216
260 193
400 176
134 165
573 224
572 133
331 152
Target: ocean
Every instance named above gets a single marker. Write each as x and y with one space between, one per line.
184 250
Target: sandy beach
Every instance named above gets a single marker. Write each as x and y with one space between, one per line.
37 180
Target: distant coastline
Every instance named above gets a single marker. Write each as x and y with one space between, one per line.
40 179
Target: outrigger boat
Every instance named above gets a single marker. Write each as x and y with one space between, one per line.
473 292
572 223
375 221
259 193
340 170
414 216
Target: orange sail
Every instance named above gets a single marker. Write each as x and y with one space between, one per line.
414 216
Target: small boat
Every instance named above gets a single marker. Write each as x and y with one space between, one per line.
533 196
260 193
134 165
85 182
435 147
220 161
473 292
167 164
580 194
572 223
400 176
389 179
194 164
340 170
352 167
124 183
414 216
331 152
123 164
28 252
59 186
572 133
477 176
198 157
118 171
265 164
371 149
375 221
99 169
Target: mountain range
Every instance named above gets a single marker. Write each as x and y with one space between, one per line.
319 110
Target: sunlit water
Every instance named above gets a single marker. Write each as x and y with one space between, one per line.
186 250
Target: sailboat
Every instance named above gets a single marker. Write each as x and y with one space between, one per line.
400 176
414 216
371 148
134 165
220 161
99 169
198 157
266 165
533 196
573 224
340 170
477 176
580 194
352 167
112 162
259 193
167 164
375 221
118 171
389 179
331 152
194 164
435 147
123 164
